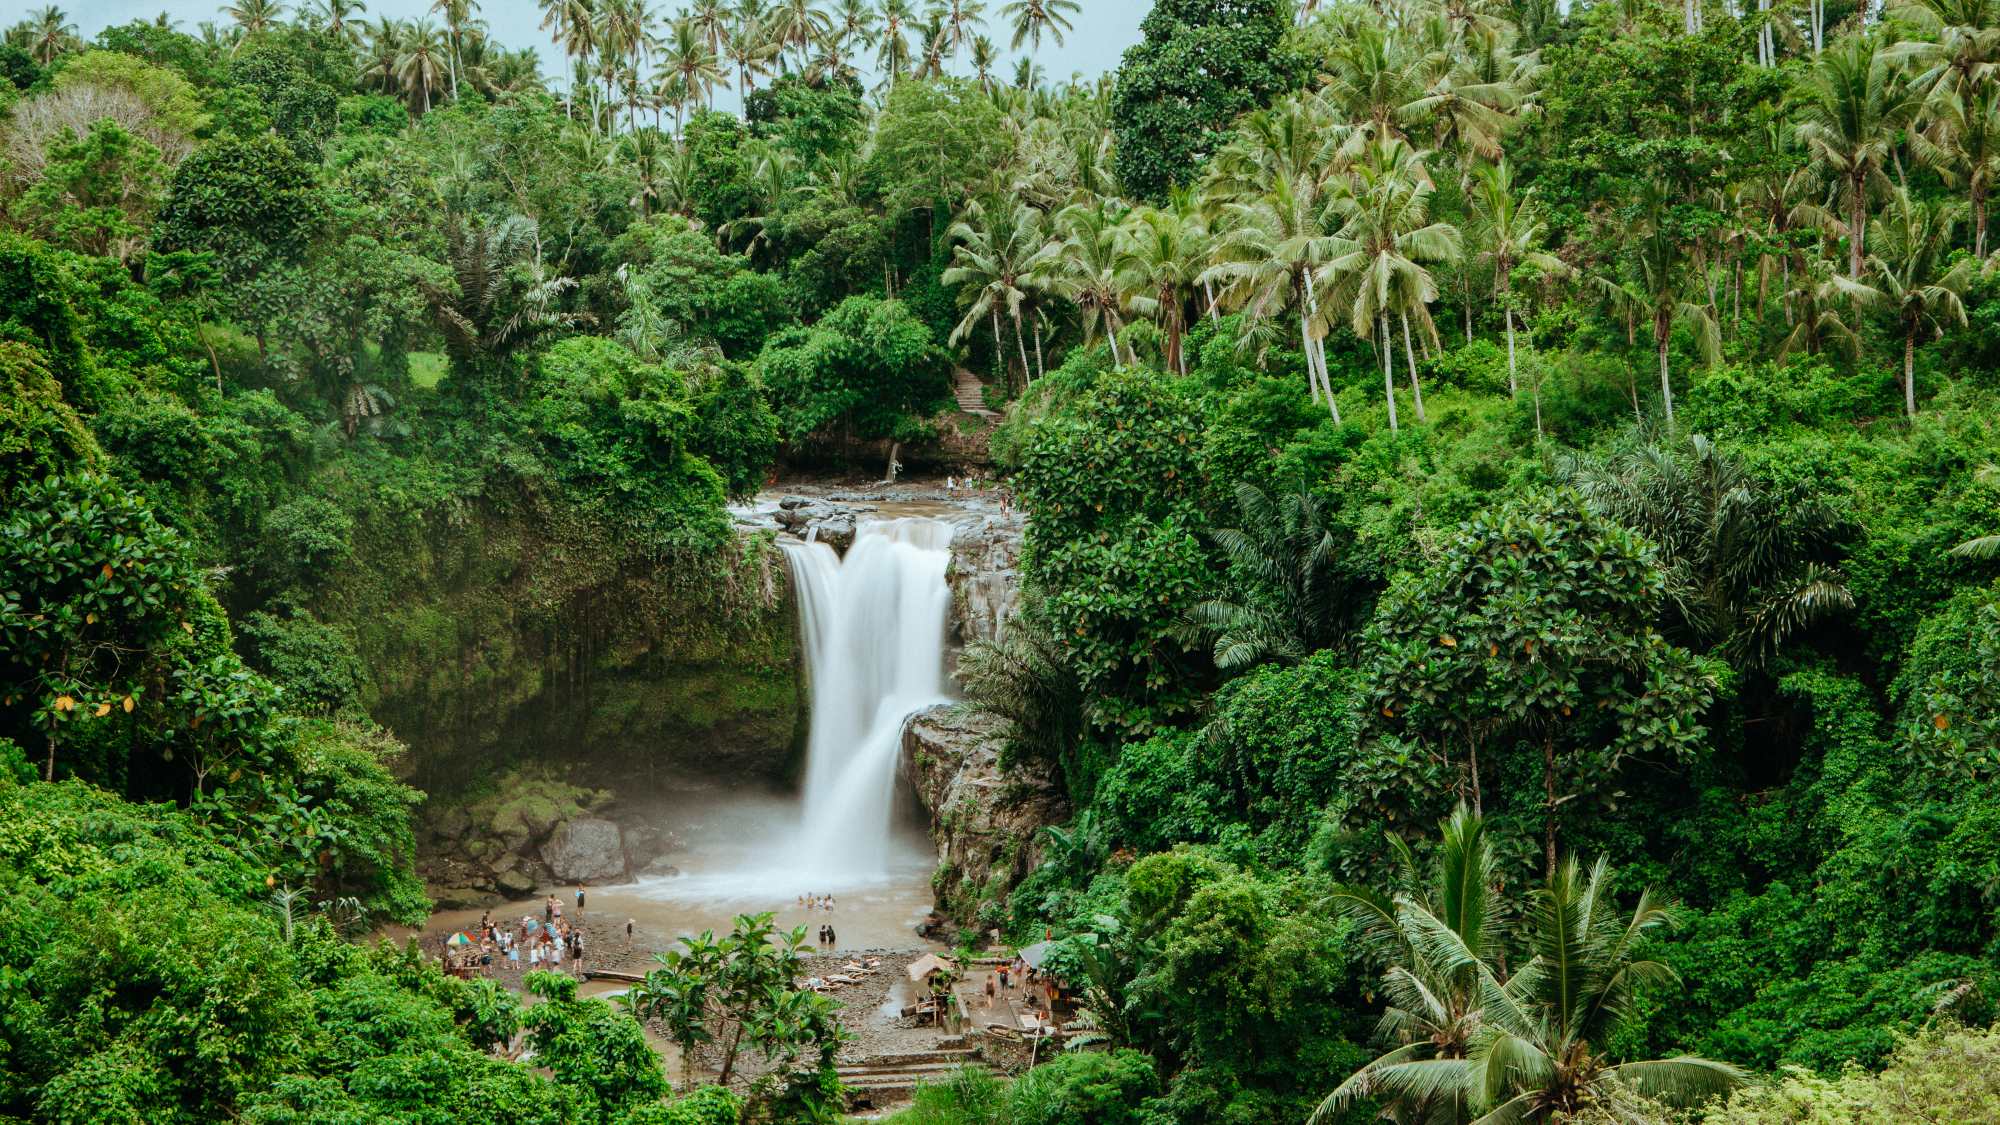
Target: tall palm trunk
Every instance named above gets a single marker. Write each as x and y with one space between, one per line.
1662 329
1388 351
1910 371
1020 344
1416 388
1513 389
1857 223
1209 291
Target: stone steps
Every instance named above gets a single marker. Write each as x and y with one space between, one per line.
886 1079
971 395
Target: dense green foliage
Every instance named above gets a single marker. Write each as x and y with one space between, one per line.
1639 498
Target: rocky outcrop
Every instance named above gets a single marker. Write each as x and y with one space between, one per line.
535 832
820 521
986 822
985 574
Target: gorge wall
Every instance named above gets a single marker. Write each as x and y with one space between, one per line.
520 634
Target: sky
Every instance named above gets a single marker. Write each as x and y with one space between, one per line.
1104 28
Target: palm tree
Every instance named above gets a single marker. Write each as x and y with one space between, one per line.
933 42
712 18
1034 18
1536 1056
458 20
1745 567
421 66
335 13
1817 305
750 49
984 56
255 16
1391 239
1085 270
1509 233
1961 140
1919 284
1294 599
1440 932
49 33
501 297
893 45
1000 260
798 22
1853 107
384 53
1159 267
961 17
1273 253
573 26
1663 276
689 60
1984 546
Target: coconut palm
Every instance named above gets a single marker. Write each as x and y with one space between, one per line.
750 49
420 69
962 19
687 57
1919 284
573 26
985 55
1853 107
1390 241
1508 232
1819 304
933 44
1159 267
1272 256
797 23
1085 269
1961 140
1001 258
712 18
1659 288
383 52
1985 546
1033 19
1291 597
1744 566
334 17
458 23
892 44
254 17
1440 933
48 33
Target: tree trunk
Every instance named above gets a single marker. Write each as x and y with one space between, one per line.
999 344
1416 388
1513 388
1910 372
1039 369
1549 792
889 473
1306 347
49 765
1979 222
729 1056
1857 225
1388 364
1326 380
1209 290
1021 345
1661 329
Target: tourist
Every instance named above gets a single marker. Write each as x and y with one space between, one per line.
534 956
549 909
579 900
628 933
576 951
831 939
989 990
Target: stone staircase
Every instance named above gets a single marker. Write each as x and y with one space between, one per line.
884 1080
971 395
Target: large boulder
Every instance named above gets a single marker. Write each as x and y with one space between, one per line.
984 574
588 849
986 822
819 521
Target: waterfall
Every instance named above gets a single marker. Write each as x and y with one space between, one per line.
873 626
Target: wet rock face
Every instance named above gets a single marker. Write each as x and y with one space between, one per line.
586 850
819 520
986 822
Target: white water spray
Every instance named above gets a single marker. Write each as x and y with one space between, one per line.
874 626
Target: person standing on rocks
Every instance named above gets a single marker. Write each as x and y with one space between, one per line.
579 900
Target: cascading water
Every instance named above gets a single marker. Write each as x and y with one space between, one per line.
874 633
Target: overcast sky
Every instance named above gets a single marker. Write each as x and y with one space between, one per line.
1104 28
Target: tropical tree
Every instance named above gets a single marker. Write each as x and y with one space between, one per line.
1745 568
1440 933
750 49
1851 110
1388 241
1001 257
1663 287
985 55
48 33
1961 141
1920 285
962 18
501 297
420 69
1508 233
1033 19
253 17
692 63
1291 597
1158 267
892 42
335 16
1085 269
1273 254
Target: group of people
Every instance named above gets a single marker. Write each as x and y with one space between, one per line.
549 943
1019 980
953 485
820 902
